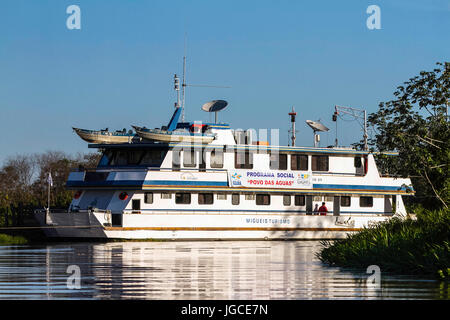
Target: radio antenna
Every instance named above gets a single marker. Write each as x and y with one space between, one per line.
184 84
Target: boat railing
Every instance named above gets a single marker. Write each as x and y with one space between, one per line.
139 168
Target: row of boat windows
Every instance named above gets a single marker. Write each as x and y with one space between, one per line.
260 199
242 160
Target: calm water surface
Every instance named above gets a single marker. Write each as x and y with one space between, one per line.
194 270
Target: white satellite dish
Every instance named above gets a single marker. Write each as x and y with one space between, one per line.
317 127
214 106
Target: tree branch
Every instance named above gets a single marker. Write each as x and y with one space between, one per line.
434 190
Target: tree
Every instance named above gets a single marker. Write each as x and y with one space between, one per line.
23 182
416 125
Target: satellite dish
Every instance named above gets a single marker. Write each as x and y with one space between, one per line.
317 126
214 106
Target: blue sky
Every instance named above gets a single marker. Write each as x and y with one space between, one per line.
117 70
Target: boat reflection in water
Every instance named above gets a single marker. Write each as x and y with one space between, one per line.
193 270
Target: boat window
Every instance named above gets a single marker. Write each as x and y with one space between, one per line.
166 195
299 162
320 163
182 198
278 161
106 159
189 158
134 157
262 199
120 159
205 198
299 200
366 202
217 158
286 199
176 160
222 196
136 206
154 158
358 162
243 159
235 199
148 197
346 201
249 197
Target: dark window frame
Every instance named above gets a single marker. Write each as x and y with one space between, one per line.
263 197
285 202
357 162
235 196
214 165
185 198
343 202
207 198
248 159
280 162
320 163
364 204
298 164
146 194
300 200
193 158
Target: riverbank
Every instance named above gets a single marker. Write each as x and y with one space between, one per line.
408 246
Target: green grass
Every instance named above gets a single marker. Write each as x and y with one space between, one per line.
6 239
408 246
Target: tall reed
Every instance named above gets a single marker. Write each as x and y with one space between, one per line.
408 246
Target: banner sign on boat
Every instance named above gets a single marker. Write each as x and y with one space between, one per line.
270 179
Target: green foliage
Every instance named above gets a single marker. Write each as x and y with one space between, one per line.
12 240
416 125
408 246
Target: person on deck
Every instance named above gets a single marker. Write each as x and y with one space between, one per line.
323 210
316 210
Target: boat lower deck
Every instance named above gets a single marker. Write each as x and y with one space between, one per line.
182 226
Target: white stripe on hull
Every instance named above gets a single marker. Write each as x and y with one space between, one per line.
205 227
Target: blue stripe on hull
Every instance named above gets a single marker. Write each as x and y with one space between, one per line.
356 187
140 183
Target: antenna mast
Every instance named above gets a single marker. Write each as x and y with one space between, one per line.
176 81
184 87
357 114
292 131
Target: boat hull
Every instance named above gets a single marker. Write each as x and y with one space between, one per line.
174 137
198 226
103 138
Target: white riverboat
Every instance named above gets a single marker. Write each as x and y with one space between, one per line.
230 187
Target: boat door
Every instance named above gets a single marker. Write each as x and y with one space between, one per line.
202 160
336 206
309 206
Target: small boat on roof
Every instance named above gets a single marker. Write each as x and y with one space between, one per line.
177 132
106 136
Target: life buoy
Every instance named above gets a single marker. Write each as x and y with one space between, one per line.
123 196
197 128
77 194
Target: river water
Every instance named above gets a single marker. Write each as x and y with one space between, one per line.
228 270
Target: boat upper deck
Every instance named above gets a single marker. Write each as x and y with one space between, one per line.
231 147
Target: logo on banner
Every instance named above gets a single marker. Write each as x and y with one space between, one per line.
236 179
303 179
